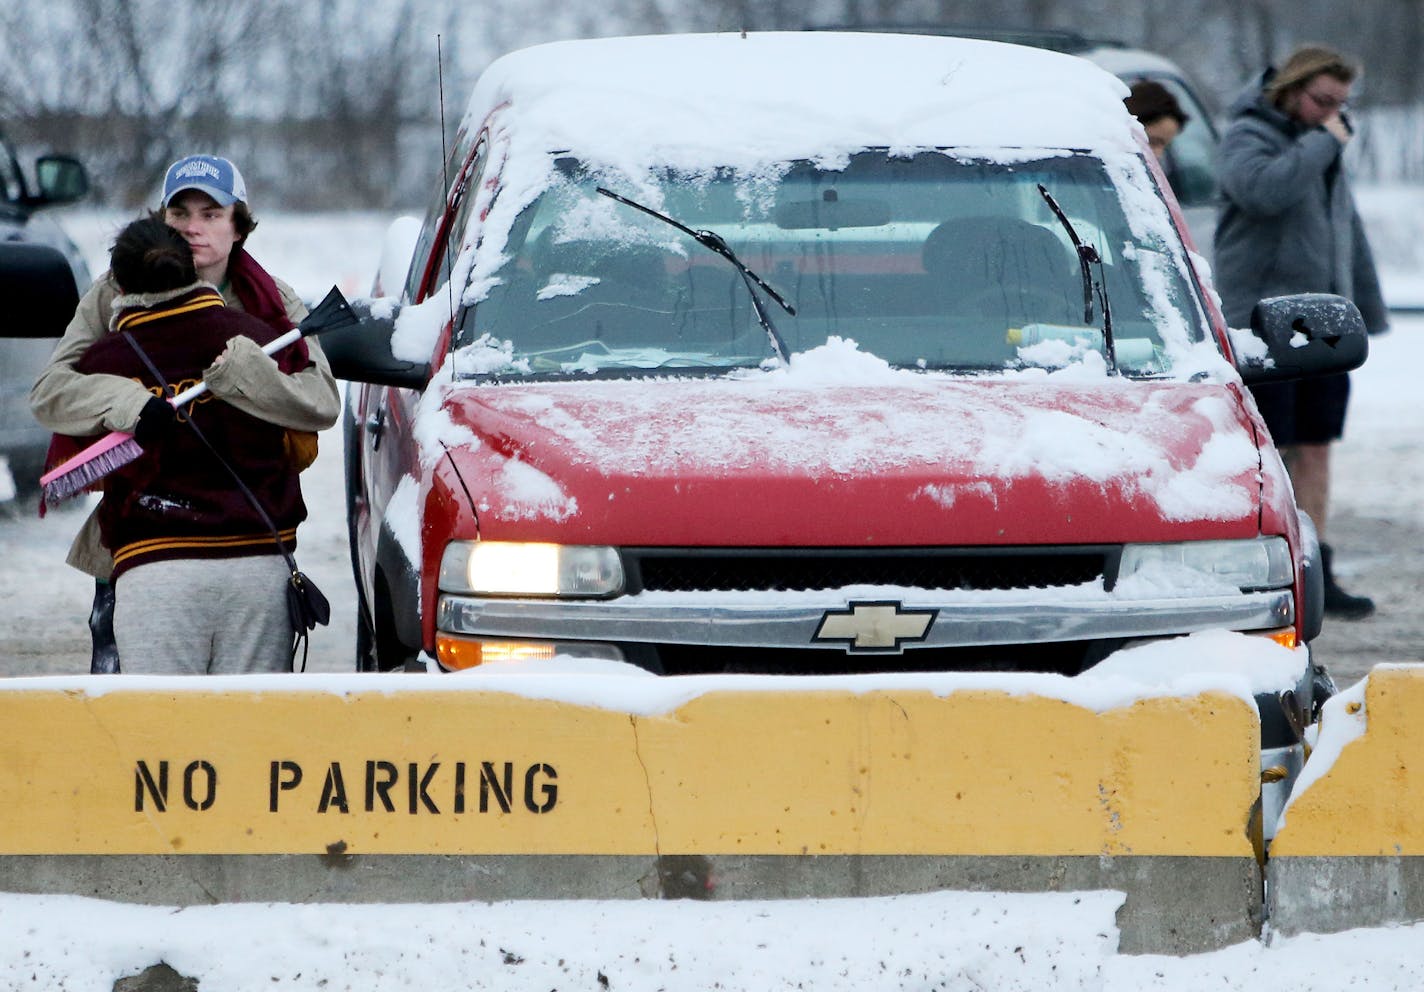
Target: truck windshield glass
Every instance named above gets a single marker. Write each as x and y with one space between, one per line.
929 261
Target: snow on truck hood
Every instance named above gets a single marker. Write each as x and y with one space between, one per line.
771 459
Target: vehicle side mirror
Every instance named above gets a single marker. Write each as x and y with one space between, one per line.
1304 335
362 352
61 179
38 288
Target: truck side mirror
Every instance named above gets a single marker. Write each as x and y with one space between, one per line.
38 286
61 179
362 352
1307 334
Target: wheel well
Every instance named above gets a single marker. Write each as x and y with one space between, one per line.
392 652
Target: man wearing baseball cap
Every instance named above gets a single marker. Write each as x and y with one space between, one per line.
205 199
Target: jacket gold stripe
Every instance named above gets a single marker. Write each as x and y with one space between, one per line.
136 317
287 534
198 543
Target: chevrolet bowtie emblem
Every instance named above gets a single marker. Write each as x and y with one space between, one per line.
882 626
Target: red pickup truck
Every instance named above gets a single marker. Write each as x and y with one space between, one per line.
711 356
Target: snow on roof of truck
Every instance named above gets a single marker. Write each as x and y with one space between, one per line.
702 101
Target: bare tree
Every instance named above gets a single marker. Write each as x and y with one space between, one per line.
161 66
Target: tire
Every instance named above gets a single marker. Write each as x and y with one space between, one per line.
385 650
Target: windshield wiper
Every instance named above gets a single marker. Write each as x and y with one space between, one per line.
1087 257
714 241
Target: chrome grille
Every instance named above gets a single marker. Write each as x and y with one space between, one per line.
784 570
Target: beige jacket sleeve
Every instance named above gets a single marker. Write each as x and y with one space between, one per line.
306 401
70 402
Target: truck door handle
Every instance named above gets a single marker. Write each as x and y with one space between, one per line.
375 425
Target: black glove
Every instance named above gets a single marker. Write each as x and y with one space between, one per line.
155 423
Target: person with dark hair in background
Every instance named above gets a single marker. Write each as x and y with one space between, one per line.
205 199
1288 224
202 577
1159 113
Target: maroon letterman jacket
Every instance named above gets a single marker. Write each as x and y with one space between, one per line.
177 500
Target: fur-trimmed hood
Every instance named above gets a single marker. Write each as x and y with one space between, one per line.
147 301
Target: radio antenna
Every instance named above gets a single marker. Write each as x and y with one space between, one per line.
449 265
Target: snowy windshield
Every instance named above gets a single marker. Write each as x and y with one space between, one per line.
928 261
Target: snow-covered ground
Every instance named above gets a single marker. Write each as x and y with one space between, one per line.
943 940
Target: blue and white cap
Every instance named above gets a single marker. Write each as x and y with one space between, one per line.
209 174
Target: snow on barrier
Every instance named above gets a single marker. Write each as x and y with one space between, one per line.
384 789
1350 847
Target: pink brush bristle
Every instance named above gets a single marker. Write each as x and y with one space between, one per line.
88 467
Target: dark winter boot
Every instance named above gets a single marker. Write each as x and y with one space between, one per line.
105 660
1338 602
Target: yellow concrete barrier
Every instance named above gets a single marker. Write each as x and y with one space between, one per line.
474 771
1350 852
1371 799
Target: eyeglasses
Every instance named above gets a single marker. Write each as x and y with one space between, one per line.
1326 103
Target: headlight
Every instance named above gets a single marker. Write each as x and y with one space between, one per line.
506 568
1263 563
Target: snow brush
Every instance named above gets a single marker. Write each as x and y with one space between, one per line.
118 448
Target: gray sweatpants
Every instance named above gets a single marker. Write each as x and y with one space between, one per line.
204 617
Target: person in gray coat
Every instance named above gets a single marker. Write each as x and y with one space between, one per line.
1288 224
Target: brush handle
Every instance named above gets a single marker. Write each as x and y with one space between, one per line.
270 348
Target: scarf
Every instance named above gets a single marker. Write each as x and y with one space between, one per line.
259 295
